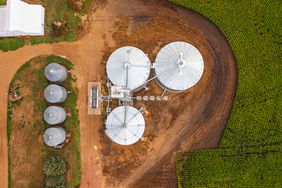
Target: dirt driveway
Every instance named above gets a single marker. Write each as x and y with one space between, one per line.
148 25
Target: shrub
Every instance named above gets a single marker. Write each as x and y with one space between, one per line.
59 27
55 181
55 166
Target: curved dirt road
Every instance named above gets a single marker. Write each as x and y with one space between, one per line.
198 126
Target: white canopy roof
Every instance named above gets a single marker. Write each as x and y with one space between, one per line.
128 66
54 115
18 18
55 72
55 93
125 125
54 136
179 66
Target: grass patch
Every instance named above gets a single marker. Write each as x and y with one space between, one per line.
256 42
255 34
54 10
33 126
7 44
2 2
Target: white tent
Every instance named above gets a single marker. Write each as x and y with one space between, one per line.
128 67
125 125
179 66
18 18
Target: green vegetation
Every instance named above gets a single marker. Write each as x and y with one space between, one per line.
54 166
2 2
55 169
55 181
7 44
62 23
31 76
255 34
252 167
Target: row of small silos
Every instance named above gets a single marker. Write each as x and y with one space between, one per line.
178 67
54 95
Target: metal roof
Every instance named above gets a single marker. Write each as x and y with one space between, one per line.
55 115
125 125
18 18
128 66
54 136
55 94
55 72
179 66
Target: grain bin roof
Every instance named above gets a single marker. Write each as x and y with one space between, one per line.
128 66
54 136
55 115
179 66
55 93
125 125
55 72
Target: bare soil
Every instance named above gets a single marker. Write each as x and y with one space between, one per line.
27 149
190 120
25 144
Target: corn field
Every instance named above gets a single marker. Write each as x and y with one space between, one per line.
254 31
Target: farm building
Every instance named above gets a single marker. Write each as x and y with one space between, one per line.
18 18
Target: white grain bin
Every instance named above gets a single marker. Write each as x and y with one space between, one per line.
128 67
55 94
54 136
179 66
54 115
18 18
55 72
125 125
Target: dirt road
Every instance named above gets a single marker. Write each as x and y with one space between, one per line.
127 22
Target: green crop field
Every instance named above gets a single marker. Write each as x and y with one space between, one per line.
2 2
251 167
254 31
